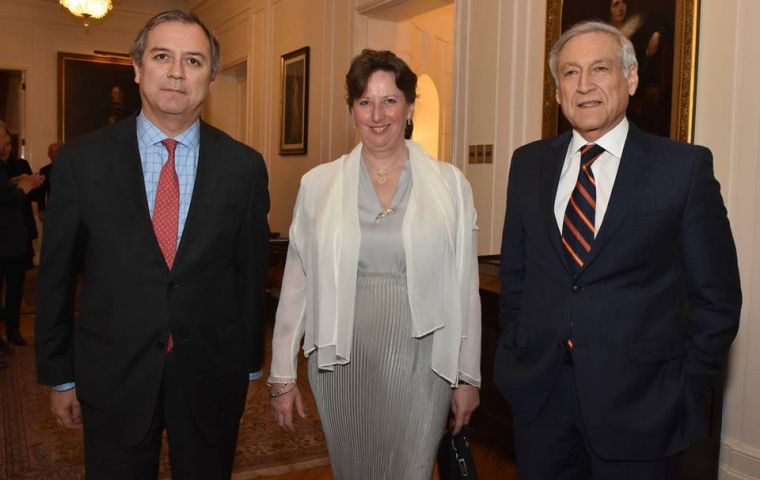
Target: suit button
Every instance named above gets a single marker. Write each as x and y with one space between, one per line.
160 346
172 285
576 289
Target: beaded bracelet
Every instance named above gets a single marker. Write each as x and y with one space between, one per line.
282 389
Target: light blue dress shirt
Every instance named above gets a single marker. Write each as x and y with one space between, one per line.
153 156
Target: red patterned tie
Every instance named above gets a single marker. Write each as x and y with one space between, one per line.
166 214
166 210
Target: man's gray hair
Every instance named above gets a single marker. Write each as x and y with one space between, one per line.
138 48
627 53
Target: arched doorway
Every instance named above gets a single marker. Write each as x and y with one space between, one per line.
427 115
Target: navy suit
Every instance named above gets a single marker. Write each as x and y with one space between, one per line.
654 310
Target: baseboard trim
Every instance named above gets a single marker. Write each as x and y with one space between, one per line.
738 462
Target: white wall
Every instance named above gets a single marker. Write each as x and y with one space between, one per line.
728 121
32 33
498 95
259 32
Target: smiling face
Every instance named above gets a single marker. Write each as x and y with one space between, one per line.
380 114
175 75
593 90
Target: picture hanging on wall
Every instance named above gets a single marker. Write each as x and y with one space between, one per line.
294 102
94 91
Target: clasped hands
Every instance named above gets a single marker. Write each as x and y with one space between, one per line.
27 182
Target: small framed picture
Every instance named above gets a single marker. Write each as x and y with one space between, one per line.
94 91
294 102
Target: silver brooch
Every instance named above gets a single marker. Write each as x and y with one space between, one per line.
385 213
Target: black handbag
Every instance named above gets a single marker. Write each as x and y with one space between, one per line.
455 460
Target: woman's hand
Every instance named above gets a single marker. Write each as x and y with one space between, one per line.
282 407
464 400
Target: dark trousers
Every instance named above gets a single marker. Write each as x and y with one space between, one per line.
190 456
555 445
12 272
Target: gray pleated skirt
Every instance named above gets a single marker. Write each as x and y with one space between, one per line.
383 413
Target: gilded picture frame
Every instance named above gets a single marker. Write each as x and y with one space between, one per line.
673 115
94 91
294 102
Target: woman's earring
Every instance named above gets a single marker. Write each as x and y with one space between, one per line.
408 129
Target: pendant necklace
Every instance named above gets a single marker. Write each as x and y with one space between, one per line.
382 173
382 177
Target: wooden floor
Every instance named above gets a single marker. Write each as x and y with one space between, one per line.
492 464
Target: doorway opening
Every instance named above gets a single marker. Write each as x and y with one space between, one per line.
227 103
421 32
13 106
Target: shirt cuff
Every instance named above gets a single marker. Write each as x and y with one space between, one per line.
64 387
255 375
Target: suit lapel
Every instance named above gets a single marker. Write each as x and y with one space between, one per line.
551 167
128 173
207 179
635 168
128 168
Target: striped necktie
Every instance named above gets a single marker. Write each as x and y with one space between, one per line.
578 224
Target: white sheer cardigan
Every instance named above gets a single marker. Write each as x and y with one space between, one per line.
319 281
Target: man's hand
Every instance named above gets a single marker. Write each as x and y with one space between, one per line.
464 400
282 408
65 407
27 183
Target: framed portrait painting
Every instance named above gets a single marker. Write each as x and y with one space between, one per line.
664 36
294 102
94 91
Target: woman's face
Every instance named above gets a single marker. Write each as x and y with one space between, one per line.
380 113
618 10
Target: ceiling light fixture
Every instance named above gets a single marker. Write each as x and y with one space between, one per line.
88 9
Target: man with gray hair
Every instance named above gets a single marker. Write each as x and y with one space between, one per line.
620 285
168 215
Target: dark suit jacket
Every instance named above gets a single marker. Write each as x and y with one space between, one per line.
14 238
655 309
44 191
15 167
211 301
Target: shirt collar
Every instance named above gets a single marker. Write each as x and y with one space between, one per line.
148 134
612 141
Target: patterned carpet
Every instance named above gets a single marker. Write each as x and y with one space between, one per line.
34 447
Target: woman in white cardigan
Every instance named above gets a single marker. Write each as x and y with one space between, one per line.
381 282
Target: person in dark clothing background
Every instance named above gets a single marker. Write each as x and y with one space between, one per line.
44 191
18 229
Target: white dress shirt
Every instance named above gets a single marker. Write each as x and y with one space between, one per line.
605 170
